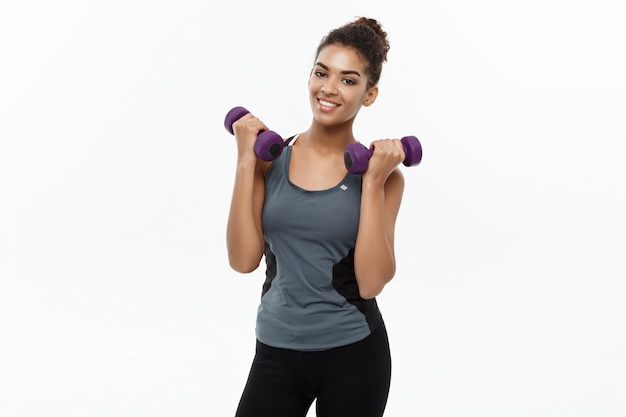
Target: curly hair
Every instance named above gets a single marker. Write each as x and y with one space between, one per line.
367 37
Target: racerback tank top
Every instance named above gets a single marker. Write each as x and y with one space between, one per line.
310 298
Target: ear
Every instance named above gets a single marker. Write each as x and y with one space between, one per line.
370 96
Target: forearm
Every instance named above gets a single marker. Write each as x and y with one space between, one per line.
244 234
374 259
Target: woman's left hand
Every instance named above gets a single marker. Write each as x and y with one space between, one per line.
387 155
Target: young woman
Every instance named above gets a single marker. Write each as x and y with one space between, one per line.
328 241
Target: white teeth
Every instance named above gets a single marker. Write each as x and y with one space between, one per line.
327 104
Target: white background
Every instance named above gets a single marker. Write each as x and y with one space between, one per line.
116 298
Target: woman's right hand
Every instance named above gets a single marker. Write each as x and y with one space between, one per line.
246 130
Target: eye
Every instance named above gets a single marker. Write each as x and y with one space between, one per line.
349 81
319 73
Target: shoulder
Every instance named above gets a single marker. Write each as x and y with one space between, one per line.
289 140
264 166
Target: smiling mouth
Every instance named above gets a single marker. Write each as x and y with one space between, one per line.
327 103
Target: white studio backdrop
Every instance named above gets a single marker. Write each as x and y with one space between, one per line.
116 298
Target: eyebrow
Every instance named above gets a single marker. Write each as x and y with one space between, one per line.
346 72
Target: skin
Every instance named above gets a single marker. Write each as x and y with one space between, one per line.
338 88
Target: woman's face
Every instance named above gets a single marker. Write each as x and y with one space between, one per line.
338 85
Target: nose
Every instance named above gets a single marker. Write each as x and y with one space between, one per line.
328 88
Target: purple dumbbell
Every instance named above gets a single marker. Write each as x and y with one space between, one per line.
357 156
268 145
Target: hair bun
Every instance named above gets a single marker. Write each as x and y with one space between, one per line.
377 28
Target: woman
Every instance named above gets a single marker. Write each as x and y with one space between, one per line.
328 240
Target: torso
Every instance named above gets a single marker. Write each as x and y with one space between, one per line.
310 298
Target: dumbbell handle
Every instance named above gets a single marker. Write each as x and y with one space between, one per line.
357 155
268 145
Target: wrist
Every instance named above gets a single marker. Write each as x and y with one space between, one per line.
246 162
372 181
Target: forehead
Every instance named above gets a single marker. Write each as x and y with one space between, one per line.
342 58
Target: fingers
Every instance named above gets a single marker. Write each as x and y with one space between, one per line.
386 156
389 150
248 125
246 130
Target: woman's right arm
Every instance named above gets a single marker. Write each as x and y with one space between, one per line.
244 232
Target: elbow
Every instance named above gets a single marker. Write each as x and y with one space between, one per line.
372 277
368 294
244 269
373 289
243 266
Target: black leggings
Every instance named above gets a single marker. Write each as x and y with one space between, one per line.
348 381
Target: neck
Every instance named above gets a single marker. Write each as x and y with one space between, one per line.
329 137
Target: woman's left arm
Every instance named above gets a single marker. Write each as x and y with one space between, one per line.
383 186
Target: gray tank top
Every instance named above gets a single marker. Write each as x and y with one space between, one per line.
310 299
